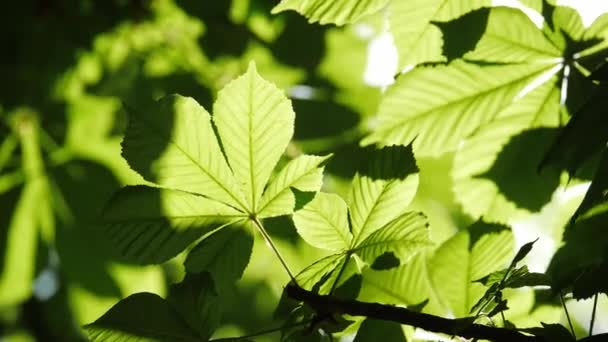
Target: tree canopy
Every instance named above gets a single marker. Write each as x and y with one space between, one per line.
304 170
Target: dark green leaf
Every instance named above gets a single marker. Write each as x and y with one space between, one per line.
224 254
143 317
377 330
197 302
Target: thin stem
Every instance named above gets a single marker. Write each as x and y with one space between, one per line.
260 333
269 242
593 315
561 297
333 286
502 314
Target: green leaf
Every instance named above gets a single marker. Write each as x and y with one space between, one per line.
151 225
523 252
320 269
172 143
478 188
401 238
413 24
583 256
197 302
439 106
337 12
303 173
585 134
142 317
254 119
407 284
377 330
323 222
511 37
19 249
465 257
224 253
382 190
416 38
452 9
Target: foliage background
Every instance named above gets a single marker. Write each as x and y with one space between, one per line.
67 68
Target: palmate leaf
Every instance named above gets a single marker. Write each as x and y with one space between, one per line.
375 225
337 12
439 106
208 180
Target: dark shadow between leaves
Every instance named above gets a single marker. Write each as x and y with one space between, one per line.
462 35
350 288
390 162
515 171
385 261
300 44
321 119
480 228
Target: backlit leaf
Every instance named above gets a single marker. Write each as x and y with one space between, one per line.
323 222
151 225
337 12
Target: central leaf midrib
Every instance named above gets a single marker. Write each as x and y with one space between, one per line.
335 228
153 219
519 44
250 140
205 171
387 242
429 112
374 205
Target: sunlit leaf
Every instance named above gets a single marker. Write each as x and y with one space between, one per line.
416 38
402 237
461 260
439 106
337 12
314 273
254 119
304 173
478 188
382 190
323 222
511 37
173 144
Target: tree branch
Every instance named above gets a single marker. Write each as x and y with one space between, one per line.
463 327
